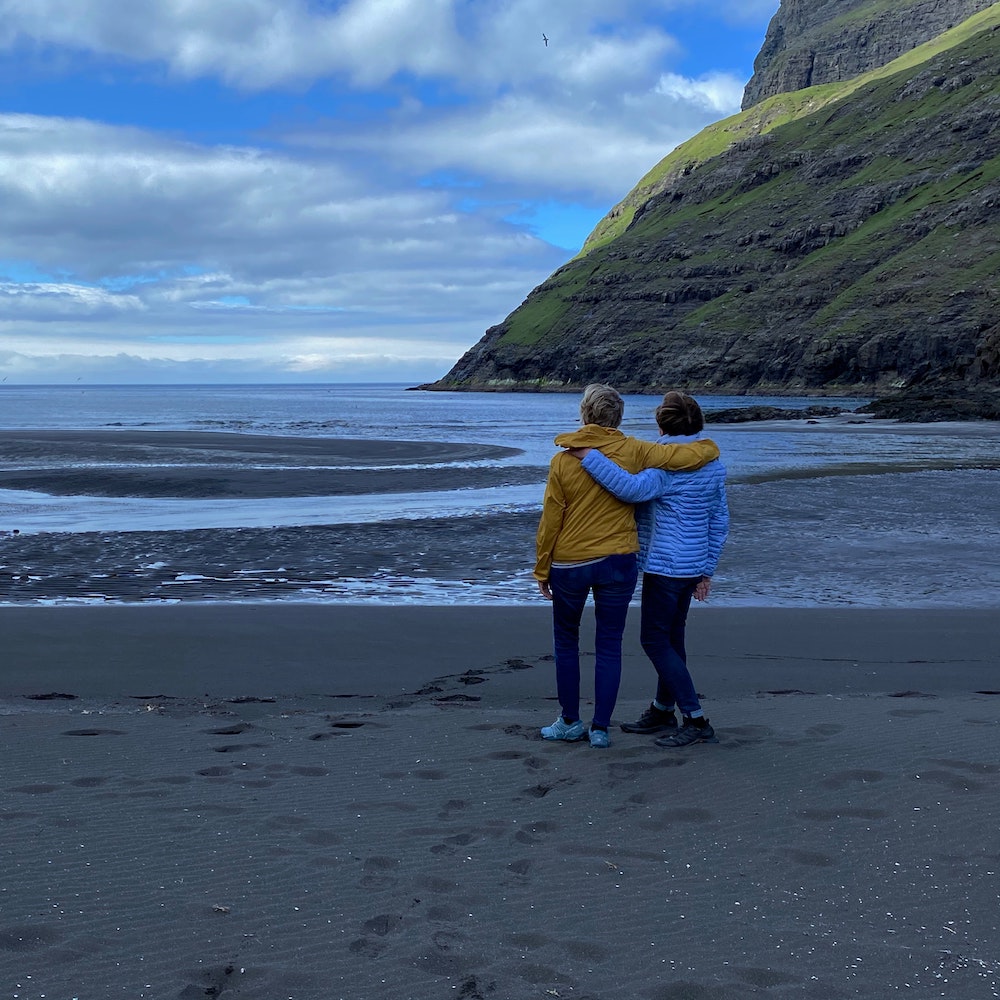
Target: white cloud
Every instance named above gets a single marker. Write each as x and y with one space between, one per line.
50 300
180 252
548 147
717 94
336 243
102 201
256 44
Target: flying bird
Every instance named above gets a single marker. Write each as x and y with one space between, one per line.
545 39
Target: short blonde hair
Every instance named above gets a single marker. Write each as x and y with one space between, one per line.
679 413
601 405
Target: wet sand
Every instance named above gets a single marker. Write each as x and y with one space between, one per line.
320 802
220 466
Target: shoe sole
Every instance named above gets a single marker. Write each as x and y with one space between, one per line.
626 727
564 739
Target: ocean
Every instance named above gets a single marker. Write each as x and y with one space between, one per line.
793 475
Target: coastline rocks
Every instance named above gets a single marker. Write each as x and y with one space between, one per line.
927 405
745 414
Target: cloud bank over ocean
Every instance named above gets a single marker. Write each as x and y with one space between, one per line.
293 190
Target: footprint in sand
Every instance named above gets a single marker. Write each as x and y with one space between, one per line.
237 747
686 991
233 730
964 765
379 871
506 755
26 937
214 982
542 789
215 772
815 859
622 771
366 947
383 924
953 781
94 732
846 812
287 822
765 978
530 832
842 779
825 729
452 806
88 782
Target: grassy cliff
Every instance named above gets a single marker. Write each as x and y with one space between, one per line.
841 238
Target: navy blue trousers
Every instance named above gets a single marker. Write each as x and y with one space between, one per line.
612 581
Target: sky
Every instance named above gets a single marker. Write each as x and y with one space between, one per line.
226 191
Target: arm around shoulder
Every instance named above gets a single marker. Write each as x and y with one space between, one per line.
632 488
678 457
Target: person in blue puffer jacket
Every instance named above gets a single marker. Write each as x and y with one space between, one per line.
683 522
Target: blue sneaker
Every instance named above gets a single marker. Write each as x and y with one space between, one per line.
562 730
599 739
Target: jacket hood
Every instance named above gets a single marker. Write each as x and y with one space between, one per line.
589 436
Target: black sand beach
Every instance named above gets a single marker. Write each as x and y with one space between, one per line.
313 801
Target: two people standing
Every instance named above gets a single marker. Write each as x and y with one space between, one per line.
587 543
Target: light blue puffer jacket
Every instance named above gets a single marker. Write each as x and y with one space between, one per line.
682 517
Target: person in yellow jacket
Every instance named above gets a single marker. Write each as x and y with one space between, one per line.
587 543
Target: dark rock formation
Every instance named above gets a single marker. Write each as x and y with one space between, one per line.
925 404
811 42
746 414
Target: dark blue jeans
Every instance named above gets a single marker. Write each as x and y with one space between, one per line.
612 581
665 604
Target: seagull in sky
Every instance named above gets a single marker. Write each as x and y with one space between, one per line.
545 39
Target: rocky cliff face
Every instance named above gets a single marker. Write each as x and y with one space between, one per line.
811 42
854 249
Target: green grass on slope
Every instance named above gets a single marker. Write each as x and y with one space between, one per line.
541 312
857 128
782 109
872 257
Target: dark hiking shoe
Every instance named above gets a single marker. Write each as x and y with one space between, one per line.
653 720
687 734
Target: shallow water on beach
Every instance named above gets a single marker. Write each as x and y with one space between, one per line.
822 464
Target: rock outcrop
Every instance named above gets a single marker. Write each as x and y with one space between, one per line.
812 42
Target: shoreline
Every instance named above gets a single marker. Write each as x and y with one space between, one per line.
296 650
895 540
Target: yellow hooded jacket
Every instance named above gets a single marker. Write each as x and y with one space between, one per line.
582 521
